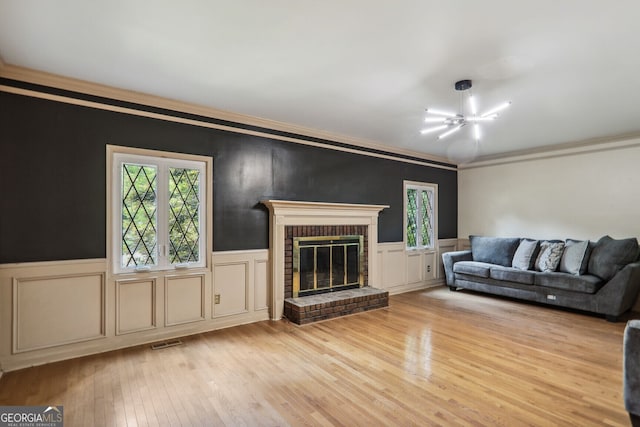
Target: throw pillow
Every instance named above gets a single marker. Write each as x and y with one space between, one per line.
610 255
572 258
549 257
524 256
494 250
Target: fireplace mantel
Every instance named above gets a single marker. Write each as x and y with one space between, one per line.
288 212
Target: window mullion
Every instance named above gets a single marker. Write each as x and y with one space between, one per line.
202 188
163 202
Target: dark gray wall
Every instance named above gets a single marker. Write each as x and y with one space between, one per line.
53 179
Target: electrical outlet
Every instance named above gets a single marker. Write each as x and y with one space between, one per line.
428 269
217 299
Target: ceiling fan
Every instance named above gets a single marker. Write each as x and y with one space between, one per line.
450 122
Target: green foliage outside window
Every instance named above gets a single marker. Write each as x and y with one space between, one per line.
139 192
139 221
412 223
419 220
184 216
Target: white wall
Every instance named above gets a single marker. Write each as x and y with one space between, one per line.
581 193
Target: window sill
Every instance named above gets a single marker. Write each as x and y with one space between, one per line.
420 250
162 272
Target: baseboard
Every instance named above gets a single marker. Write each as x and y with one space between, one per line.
105 345
414 287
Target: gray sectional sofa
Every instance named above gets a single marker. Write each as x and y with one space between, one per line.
631 371
600 277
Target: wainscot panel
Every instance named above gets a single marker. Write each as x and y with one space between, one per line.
232 281
241 282
184 299
400 270
260 289
135 305
58 310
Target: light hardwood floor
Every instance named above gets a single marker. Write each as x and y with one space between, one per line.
433 357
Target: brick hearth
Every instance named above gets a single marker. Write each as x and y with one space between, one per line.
313 308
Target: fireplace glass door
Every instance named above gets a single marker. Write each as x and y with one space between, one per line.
327 263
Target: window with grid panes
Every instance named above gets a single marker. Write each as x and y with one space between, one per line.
158 212
420 215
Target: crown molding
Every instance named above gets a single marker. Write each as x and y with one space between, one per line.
89 88
591 145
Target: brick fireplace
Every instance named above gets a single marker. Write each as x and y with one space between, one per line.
289 219
294 231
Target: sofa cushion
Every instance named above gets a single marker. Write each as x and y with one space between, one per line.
549 256
473 268
610 255
524 257
586 283
494 250
575 254
511 274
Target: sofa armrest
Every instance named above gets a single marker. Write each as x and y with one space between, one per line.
619 294
631 367
450 258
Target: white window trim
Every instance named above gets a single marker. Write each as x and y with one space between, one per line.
115 157
420 186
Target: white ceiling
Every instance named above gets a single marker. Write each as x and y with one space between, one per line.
362 69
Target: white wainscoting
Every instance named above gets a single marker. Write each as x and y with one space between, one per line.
184 299
240 280
135 305
401 270
58 310
46 310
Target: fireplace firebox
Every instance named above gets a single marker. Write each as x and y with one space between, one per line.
327 263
